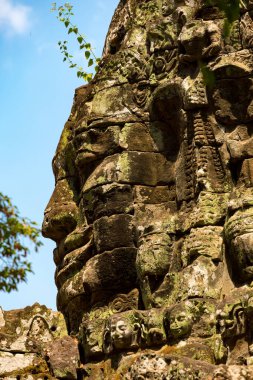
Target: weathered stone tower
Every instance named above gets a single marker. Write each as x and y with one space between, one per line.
152 210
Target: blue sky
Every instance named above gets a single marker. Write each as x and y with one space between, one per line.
36 95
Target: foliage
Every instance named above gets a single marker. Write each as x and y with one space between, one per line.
64 15
15 233
208 75
231 9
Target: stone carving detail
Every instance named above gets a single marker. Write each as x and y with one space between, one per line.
152 209
34 345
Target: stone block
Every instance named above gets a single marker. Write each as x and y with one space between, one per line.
63 358
114 232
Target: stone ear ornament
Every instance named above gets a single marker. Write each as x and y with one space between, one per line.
107 341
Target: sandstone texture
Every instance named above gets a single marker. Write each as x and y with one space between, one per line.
29 340
152 212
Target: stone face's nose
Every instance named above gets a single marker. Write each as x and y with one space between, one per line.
59 222
61 212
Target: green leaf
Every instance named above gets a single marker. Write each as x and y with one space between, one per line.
64 13
90 62
14 232
208 75
87 54
80 39
89 77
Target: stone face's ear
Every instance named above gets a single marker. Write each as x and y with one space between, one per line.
107 339
137 328
166 322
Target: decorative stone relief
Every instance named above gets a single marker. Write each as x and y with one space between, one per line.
34 345
152 208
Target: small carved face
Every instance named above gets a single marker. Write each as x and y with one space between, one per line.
39 332
121 333
180 323
154 254
37 326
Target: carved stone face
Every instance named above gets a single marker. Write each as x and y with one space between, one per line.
120 334
102 174
180 323
89 212
154 177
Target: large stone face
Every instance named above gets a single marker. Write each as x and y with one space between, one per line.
152 211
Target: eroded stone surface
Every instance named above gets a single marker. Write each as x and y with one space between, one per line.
152 210
28 340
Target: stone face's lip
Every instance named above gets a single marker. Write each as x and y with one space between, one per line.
85 156
77 239
86 281
83 150
176 328
69 281
73 261
88 154
70 289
